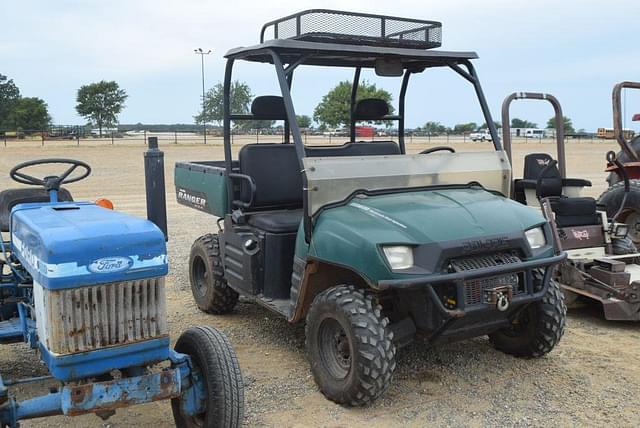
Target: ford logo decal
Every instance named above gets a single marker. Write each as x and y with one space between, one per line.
110 264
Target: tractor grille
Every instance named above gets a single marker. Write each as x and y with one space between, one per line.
89 318
474 289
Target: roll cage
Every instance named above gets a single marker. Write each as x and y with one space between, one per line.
352 52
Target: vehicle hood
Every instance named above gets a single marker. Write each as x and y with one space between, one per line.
433 216
351 235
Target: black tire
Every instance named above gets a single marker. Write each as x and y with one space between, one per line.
538 328
214 358
349 346
612 198
209 288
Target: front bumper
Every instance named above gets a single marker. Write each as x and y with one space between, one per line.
458 279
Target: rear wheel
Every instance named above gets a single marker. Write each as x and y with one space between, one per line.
209 288
538 328
349 346
214 362
612 199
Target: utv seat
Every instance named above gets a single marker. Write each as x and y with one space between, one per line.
534 163
9 198
277 222
578 211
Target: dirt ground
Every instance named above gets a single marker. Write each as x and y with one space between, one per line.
591 379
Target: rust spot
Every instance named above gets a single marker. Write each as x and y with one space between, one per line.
78 393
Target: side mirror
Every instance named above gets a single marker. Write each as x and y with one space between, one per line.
389 67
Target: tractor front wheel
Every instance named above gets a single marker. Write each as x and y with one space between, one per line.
349 346
538 328
215 367
209 288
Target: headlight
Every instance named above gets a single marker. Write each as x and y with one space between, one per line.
620 230
399 256
536 238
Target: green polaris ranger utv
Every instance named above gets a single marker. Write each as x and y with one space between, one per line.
373 247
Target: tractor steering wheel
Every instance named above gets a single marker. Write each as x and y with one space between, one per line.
438 149
50 182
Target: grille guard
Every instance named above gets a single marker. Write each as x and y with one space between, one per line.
458 278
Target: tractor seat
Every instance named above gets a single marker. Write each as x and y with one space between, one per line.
575 211
9 198
534 164
286 221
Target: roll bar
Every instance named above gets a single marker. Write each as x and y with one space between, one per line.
617 119
559 119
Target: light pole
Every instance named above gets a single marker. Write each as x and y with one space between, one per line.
202 53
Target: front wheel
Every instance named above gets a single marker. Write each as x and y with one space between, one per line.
349 346
538 328
215 364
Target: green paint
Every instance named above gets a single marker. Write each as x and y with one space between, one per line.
350 235
212 183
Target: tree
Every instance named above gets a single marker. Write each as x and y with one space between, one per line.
29 113
333 109
434 128
240 100
9 94
100 103
304 121
568 125
461 128
247 125
519 123
498 125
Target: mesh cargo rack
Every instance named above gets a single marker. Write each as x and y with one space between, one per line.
332 26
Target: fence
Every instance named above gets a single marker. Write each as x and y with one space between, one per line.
42 138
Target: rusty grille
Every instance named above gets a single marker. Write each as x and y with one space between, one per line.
88 318
473 289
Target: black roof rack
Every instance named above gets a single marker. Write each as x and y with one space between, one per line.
334 26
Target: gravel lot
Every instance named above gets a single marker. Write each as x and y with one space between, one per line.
591 379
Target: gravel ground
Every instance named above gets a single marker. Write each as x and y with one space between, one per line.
591 379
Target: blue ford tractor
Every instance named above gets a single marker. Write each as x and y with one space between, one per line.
85 285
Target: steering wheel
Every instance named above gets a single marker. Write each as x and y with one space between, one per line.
50 182
438 149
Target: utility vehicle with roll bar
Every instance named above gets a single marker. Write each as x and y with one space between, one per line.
602 262
373 247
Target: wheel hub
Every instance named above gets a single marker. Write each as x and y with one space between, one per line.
335 348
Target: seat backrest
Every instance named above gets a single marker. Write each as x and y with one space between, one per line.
361 148
9 198
370 109
534 163
551 184
268 107
276 173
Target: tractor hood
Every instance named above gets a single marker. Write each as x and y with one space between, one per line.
453 218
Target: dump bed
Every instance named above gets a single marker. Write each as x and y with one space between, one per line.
202 185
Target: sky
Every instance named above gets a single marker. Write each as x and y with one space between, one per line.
574 49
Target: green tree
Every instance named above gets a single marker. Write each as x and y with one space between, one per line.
240 100
519 123
247 125
461 128
100 103
333 109
9 94
304 121
29 113
497 124
568 125
434 128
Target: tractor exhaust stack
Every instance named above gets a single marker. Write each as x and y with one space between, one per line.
154 185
